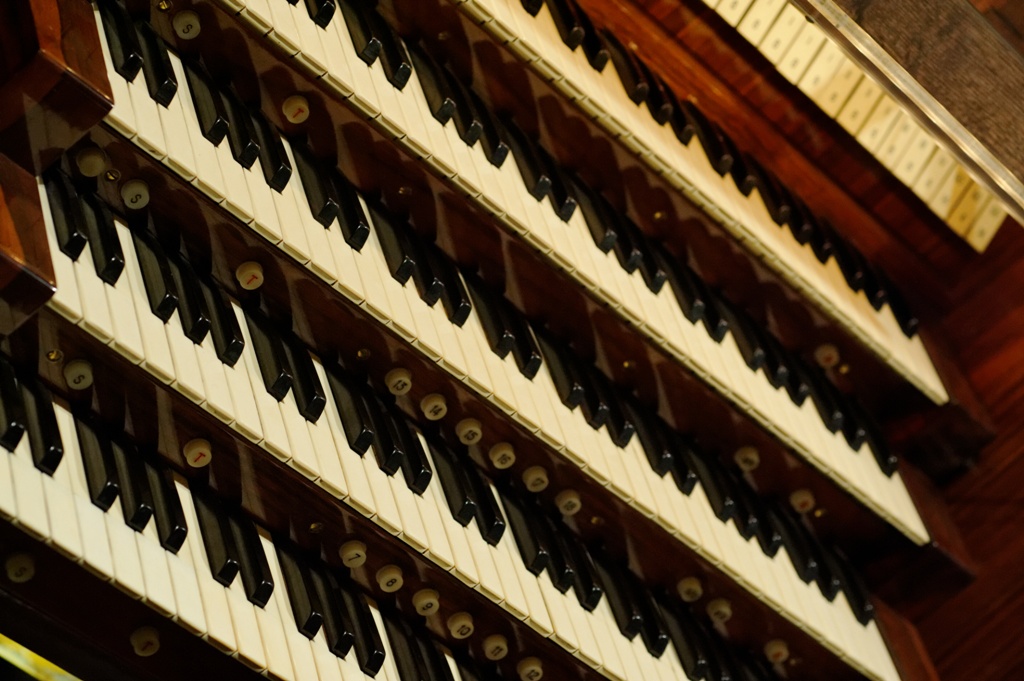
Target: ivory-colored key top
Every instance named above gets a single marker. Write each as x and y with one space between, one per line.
967 209
438 548
312 57
413 531
938 167
128 575
302 651
65 300
121 116
275 436
31 513
564 634
303 456
914 159
155 571
215 386
359 495
782 34
148 134
292 211
986 224
802 52
96 317
331 476
208 175
387 515
895 144
285 34
236 189
733 11
949 192
759 18
877 126
364 95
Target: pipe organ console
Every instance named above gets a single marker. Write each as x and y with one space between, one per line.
445 339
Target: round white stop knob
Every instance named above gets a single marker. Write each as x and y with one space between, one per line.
434 407
91 161
495 647
530 669
135 194
398 381
186 24
826 355
145 641
802 500
426 601
568 502
352 554
78 374
690 589
720 610
389 578
777 651
249 275
296 109
502 456
469 431
198 453
20 568
535 478
460 625
747 458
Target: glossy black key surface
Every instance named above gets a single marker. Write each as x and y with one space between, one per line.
369 647
796 383
741 326
309 394
532 6
434 82
625 247
559 568
659 104
361 30
415 466
454 484
122 39
747 516
689 288
213 120
252 561
215 529
777 359
682 472
66 212
524 349
354 418
534 554
905 317
595 411
829 582
602 228
435 667
823 397
768 536
338 631
277 169
851 583
566 16
686 638
652 629
161 291
269 355
651 269
192 312
874 288
393 55
492 139
98 463
489 520
12 407
716 323
742 175
710 137
875 439
353 222
388 451
321 11
156 65
620 428
626 67
136 498
242 138
585 582
627 616
499 336
853 429
562 198
525 154
404 649
167 511
849 264
467 122
593 46
41 424
429 284
393 243
681 125
794 538
708 470
315 185
721 666
105 247
228 340
822 241
453 293
774 196
306 608
650 429
570 392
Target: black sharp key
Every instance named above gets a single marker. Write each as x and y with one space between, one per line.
651 431
768 536
720 660
688 287
710 137
415 466
241 136
252 561
853 430
524 348
627 617
848 263
454 295
659 104
309 394
488 514
532 6
626 67
156 275
354 225
277 169
562 198
742 332
434 666
269 353
566 16
794 538
822 241
747 517
319 196
354 418
491 137
228 341
393 56
404 650
301 591
777 359
192 312
829 582
392 242
884 456
682 126
98 462
467 122
852 584
12 407
569 391
686 638
136 498
905 317
602 229
213 120
716 323
650 268
559 568
66 211
41 424
682 472
338 629
156 65
709 473
122 40
107 257
801 222
796 385
499 337
369 648
366 43
620 428
593 46
429 284
435 84
652 629
829 410
470 671
625 247
742 174
525 154
753 667
534 555
594 410
585 581
454 484
388 452
167 511
321 11
874 289
216 533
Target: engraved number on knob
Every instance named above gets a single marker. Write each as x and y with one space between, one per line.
502 456
535 478
460 625
78 374
530 669
389 578
198 453
353 554
495 647
398 381
186 24
20 568
426 601
135 194
145 641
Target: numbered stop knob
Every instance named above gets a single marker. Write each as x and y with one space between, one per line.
530 669
398 381
535 478
690 589
198 453
145 641
426 601
135 194
389 578
502 456
352 554
495 647
434 407
460 625
78 374
469 431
